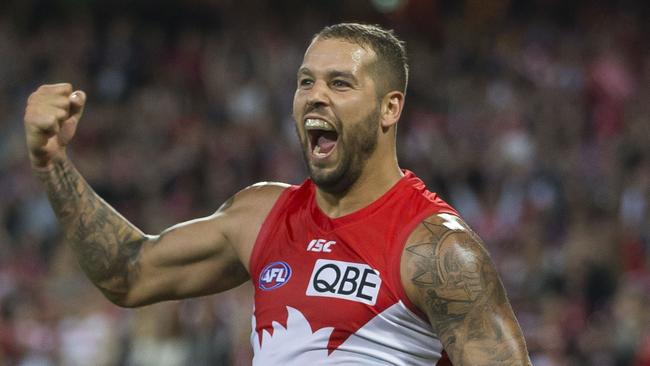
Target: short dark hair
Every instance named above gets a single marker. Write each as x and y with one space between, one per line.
390 50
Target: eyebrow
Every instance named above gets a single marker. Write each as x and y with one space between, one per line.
331 74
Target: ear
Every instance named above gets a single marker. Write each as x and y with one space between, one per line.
391 108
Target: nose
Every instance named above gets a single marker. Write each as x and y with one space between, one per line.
317 95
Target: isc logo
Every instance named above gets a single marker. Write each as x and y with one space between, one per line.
344 280
320 245
274 275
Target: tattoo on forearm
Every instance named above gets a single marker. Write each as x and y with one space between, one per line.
106 245
464 297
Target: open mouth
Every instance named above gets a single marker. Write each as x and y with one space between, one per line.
322 137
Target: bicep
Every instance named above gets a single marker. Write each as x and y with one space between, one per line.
203 256
189 259
449 275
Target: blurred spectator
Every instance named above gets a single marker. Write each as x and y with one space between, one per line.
531 118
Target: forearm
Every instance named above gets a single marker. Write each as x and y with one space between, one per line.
105 243
486 337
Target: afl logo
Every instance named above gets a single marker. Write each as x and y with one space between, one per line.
274 275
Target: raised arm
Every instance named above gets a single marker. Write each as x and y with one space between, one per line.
195 258
448 274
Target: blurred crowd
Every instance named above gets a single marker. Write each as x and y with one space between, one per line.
532 118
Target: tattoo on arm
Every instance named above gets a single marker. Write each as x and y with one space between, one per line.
464 298
105 243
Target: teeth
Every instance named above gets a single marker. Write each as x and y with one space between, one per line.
318 124
317 152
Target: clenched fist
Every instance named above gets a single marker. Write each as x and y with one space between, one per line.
51 118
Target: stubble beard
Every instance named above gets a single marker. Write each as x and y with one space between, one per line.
355 148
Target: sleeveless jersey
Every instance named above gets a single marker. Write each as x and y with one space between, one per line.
328 291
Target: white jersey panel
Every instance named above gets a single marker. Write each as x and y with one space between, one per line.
394 337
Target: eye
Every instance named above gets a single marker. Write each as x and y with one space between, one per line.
340 84
305 82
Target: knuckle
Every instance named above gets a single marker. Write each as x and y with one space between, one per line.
66 88
35 97
61 114
60 101
59 88
43 121
52 119
31 116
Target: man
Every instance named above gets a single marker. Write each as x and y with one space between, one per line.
360 265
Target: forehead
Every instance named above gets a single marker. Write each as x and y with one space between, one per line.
336 54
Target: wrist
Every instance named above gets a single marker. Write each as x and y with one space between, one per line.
44 165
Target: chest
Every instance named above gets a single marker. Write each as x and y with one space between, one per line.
340 278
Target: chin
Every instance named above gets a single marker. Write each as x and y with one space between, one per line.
334 181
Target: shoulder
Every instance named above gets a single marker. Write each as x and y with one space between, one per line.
264 190
242 216
248 208
258 198
444 260
422 200
439 226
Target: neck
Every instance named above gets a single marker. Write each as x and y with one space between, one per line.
375 180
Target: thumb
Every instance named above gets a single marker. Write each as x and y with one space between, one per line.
69 126
77 103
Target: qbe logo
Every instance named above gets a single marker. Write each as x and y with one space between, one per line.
274 275
344 280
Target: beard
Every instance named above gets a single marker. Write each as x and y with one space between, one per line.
355 145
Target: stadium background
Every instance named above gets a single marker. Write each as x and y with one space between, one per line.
530 117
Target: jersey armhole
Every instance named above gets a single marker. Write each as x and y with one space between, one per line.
264 232
396 258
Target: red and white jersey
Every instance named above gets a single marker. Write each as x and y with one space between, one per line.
328 291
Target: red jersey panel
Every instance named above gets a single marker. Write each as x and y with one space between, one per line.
328 291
